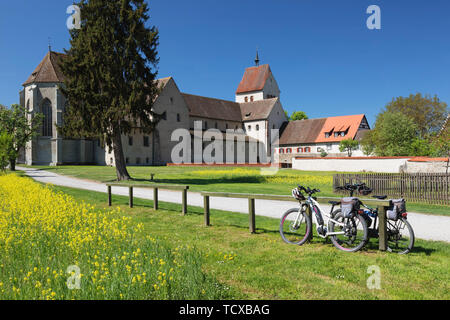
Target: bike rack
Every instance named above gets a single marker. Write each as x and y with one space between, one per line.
382 206
155 188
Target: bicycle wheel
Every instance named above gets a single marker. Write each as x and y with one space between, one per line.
295 226
400 236
356 233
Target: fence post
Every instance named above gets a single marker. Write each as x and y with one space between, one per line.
184 201
109 196
251 215
155 198
131 197
309 214
382 229
206 207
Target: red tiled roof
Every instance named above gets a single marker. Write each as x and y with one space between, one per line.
48 70
409 159
313 130
340 124
254 79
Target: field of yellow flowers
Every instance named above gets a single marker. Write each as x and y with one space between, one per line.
52 247
280 178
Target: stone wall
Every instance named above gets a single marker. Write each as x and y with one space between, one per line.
371 164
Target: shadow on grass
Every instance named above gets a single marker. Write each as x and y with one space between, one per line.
417 249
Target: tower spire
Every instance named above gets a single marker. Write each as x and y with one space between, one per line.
257 58
49 45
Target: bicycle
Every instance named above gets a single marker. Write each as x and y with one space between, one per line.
348 231
400 234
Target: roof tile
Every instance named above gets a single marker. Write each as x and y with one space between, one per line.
48 70
254 79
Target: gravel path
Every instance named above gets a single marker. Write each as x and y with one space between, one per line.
425 226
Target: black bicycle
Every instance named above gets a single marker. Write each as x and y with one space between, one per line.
346 229
400 234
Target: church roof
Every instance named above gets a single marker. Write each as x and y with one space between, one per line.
211 108
254 79
203 107
48 70
340 124
257 110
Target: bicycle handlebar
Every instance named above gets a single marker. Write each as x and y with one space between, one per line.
308 190
361 187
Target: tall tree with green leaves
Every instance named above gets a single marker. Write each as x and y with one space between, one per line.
110 73
21 126
394 134
428 113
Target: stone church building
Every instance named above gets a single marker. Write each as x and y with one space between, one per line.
255 112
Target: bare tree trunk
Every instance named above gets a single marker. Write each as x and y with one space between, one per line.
12 164
121 167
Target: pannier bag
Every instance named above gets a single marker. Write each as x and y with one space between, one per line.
398 207
349 206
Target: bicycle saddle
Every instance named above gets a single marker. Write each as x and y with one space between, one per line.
380 197
334 203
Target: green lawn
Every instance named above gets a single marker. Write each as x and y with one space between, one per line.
227 179
261 266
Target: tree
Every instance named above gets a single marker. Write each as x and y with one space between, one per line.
348 145
422 147
394 134
5 147
298 115
368 144
428 113
21 126
109 74
441 141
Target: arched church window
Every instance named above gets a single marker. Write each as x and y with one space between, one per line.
47 124
28 105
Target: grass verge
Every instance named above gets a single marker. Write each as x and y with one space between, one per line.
261 266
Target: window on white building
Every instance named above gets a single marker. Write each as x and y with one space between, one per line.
47 124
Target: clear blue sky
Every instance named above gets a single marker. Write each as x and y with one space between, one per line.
323 56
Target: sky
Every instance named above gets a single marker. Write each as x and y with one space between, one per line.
324 58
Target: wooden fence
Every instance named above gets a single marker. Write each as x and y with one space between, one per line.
155 188
431 188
